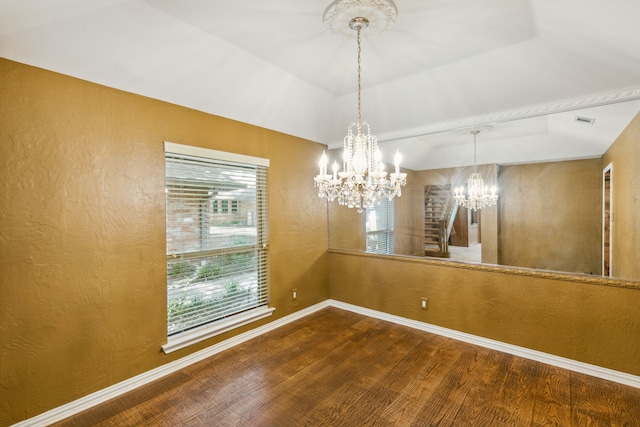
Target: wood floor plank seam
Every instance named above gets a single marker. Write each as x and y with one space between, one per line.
339 368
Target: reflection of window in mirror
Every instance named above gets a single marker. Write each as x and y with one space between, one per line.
475 216
379 228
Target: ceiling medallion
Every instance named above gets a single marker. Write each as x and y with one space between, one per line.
380 14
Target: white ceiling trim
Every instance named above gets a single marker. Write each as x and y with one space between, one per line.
535 111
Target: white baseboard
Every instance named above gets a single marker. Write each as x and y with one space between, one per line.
101 396
550 359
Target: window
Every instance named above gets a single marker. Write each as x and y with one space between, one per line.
475 216
217 242
379 227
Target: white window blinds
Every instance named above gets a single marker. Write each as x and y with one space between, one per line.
217 235
379 227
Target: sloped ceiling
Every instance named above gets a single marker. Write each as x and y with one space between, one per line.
273 64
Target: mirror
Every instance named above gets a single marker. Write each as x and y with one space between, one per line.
569 192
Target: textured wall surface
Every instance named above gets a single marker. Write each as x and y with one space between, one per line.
551 216
347 227
624 154
409 217
590 323
82 240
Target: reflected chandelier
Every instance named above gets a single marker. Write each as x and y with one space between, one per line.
363 181
478 195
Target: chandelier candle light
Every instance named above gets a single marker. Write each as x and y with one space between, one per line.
363 181
478 195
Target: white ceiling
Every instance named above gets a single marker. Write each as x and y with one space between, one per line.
550 137
272 63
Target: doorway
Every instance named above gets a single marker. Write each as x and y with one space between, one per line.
607 219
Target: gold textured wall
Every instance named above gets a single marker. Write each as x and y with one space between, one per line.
591 323
82 232
624 154
347 227
551 216
409 217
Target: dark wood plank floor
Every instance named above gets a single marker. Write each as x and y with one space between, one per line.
337 368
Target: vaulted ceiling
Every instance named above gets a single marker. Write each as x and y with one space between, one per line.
273 64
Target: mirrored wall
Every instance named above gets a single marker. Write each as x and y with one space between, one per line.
569 194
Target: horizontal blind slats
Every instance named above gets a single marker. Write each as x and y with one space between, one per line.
379 227
217 239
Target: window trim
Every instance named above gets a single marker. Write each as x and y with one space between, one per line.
201 333
186 338
172 147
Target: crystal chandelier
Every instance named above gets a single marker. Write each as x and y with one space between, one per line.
478 195
363 181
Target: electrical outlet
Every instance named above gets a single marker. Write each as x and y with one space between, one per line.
294 294
424 303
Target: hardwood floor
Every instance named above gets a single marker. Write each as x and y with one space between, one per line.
337 368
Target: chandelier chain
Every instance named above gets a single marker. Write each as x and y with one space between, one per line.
359 84
475 150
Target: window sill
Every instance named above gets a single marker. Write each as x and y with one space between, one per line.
185 339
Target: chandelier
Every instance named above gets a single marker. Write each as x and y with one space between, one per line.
363 182
478 195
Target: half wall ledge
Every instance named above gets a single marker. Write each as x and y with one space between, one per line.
493 268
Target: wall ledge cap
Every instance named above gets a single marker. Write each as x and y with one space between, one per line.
501 269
